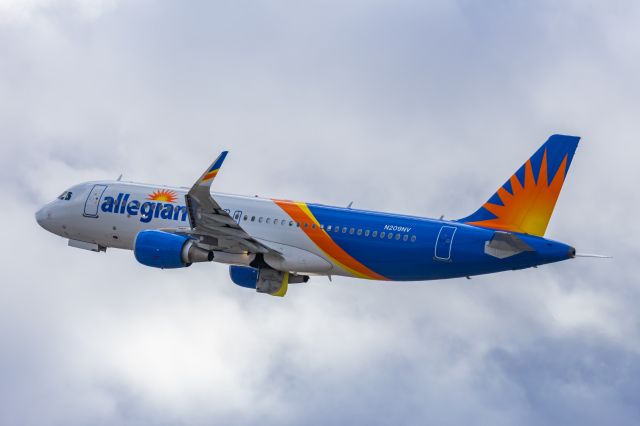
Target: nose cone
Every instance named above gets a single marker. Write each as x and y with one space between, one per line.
42 217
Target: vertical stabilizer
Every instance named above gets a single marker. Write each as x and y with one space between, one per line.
526 201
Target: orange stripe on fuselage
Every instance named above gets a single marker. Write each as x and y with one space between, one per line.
300 213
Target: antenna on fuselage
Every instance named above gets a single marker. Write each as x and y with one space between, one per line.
350 204
119 177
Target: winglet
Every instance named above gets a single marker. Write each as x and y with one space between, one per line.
209 175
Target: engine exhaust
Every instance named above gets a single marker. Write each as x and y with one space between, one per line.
191 253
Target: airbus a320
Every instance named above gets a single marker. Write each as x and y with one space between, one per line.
271 243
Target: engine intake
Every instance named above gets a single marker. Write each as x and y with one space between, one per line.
244 276
164 250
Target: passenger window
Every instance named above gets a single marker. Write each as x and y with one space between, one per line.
313 225
290 223
260 219
253 218
382 234
405 238
359 231
351 231
413 238
344 229
398 237
366 233
283 222
268 220
328 227
297 224
336 229
245 217
321 226
306 225
375 234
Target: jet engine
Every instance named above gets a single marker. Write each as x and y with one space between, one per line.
164 250
265 280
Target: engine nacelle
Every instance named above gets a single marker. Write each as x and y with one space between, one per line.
244 276
264 280
164 250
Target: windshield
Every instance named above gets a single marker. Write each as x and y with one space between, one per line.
66 195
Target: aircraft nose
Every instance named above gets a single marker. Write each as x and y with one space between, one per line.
41 217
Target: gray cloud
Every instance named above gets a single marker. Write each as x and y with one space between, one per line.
414 107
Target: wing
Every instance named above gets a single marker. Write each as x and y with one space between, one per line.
211 224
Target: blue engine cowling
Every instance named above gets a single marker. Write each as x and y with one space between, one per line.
164 250
244 276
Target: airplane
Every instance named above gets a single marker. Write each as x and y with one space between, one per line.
271 243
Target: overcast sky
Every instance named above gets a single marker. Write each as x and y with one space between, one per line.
418 107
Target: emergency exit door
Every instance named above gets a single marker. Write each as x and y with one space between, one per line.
237 215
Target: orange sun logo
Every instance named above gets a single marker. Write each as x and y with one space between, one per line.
163 195
528 208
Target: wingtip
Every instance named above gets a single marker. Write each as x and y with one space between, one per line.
218 163
213 170
222 156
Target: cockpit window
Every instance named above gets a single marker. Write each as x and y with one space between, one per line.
66 195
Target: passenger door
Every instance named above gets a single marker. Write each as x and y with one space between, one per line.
93 201
444 241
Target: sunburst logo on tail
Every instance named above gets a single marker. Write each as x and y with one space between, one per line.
526 207
163 195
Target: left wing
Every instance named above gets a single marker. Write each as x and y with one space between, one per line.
211 224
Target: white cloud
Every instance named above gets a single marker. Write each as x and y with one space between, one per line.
29 10
314 101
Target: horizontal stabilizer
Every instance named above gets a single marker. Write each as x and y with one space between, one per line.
505 244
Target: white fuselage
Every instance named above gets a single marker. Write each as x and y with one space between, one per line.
112 213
